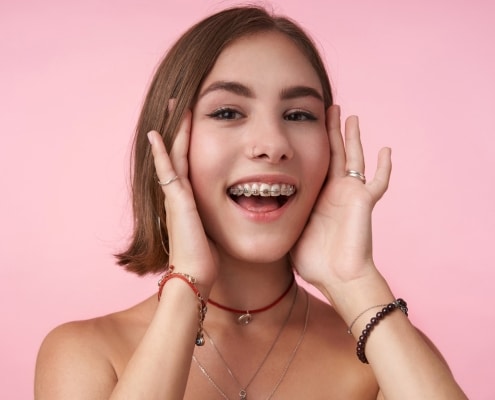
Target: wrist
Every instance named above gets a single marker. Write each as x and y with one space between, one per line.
374 321
355 299
190 281
202 282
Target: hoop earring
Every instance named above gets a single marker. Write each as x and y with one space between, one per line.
161 236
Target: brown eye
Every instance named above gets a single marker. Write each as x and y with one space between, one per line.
225 114
299 116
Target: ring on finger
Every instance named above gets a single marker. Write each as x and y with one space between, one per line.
355 174
168 181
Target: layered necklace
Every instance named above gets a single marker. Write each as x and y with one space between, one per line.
243 388
246 316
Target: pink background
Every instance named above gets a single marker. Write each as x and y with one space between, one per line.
419 74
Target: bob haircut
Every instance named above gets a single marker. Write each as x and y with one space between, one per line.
179 76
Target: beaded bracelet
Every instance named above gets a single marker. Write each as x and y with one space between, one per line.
191 281
399 303
349 330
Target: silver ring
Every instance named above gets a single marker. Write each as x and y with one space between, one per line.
355 174
168 182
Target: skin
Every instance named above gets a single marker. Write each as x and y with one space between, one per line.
241 259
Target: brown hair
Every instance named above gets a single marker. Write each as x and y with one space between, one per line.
179 76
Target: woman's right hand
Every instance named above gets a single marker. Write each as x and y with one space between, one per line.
190 250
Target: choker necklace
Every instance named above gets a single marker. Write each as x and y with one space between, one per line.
243 390
247 315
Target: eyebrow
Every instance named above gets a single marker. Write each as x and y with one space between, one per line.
232 87
294 92
237 88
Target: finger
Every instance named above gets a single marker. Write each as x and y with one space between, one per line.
379 184
353 146
337 149
163 166
180 148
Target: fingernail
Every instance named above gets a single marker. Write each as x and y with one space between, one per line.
150 137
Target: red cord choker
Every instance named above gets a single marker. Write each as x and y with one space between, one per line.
247 315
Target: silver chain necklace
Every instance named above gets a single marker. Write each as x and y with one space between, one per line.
243 390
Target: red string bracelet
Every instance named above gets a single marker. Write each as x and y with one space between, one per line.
191 282
399 303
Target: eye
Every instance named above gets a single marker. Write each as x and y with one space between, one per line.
299 116
225 113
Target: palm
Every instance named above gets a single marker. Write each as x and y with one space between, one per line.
336 243
190 250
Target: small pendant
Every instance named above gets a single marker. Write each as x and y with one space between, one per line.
244 319
243 394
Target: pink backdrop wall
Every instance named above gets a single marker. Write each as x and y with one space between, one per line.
419 74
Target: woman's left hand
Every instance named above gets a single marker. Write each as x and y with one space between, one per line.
336 246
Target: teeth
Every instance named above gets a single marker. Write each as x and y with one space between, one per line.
265 190
275 190
262 189
246 190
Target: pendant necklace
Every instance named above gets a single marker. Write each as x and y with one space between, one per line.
243 390
246 316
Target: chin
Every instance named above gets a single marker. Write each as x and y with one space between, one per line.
258 251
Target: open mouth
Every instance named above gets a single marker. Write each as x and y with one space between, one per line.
261 197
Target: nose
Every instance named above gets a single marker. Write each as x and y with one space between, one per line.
269 142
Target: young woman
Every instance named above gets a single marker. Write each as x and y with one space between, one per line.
242 179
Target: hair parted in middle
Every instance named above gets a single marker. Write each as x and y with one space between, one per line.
179 77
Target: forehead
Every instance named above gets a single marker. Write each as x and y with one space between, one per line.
263 58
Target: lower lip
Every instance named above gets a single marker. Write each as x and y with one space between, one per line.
264 217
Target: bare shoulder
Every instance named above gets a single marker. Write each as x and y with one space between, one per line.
330 330
72 356
86 355
334 351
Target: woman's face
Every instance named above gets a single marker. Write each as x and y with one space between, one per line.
259 149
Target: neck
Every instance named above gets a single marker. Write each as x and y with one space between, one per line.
248 286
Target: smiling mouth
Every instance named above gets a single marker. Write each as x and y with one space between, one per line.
261 197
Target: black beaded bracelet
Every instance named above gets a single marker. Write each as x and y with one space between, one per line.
399 303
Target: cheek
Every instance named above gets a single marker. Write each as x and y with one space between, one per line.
194 157
315 153
324 148
316 169
207 163
202 152
200 175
